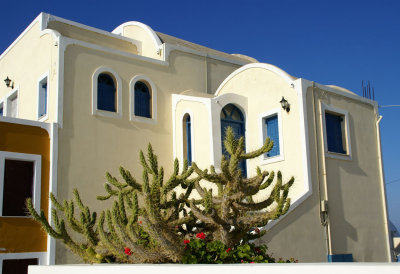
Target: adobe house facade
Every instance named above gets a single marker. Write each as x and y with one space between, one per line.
111 93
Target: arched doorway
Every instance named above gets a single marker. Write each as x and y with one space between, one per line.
232 117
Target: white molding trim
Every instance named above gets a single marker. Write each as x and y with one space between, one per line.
41 256
37 182
153 98
340 112
40 80
8 98
99 112
20 121
283 74
192 137
263 136
176 98
51 242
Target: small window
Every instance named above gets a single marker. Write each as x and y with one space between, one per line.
1 109
335 131
106 93
19 266
142 100
19 180
187 139
12 105
42 98
272 131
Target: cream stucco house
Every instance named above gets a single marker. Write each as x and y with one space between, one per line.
107 94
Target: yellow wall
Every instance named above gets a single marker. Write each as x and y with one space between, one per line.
23 234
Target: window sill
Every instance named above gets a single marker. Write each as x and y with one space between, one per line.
143 119
43 118
270 160
105 113
338 156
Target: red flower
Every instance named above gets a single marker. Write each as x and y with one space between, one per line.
252 262
257 230
128 251
241 261
257 250
229 249
186 241
201 235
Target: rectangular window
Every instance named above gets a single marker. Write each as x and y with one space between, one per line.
19 266
19 179
335 132
42 98
12 105
1 109
272 131
17 186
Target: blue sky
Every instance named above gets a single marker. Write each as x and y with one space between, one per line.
329 42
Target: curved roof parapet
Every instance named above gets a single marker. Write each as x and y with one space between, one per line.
342 89
251 59
283 74
171 40
153 36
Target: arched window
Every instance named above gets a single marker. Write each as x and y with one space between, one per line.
187 139
232 117
106 92
142 100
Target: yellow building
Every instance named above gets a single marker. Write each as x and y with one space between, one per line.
105 95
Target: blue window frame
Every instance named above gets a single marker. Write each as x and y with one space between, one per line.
106 93
335 133
142 100
272 128
188 138
42 108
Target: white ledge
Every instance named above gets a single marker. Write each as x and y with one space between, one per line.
326 268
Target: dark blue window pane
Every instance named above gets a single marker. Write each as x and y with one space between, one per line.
273 134
142 100
334 133
232 117
1 111
106 93
188 140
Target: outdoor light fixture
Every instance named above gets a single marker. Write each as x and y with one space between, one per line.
9 83
285 104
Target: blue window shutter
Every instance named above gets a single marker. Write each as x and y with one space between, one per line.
189 140
142 100
106 93
334 133
273 134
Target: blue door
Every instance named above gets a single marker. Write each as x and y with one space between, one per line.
232 117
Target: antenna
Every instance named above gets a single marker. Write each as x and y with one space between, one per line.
367 92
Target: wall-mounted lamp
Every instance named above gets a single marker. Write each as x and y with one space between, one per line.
285 104
9 83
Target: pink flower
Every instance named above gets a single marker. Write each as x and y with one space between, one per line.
241 261
201 235
252 262
128 251
186 241
229 249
